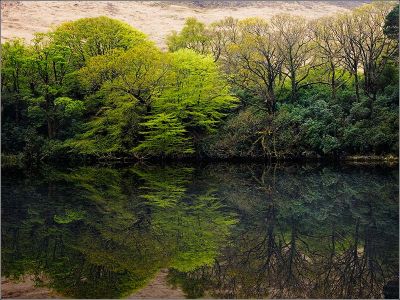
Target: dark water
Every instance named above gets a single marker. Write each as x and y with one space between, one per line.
221 230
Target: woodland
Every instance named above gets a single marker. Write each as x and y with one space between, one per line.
284 88
234 126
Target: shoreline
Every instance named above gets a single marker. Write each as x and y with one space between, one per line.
15 161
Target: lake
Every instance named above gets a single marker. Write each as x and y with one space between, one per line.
214 230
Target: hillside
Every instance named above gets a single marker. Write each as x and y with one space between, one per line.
155 18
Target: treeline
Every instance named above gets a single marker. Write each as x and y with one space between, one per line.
283 88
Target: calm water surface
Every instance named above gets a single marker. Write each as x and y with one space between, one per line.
219 230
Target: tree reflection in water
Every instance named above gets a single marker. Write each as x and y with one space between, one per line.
104 233
223 230
303 233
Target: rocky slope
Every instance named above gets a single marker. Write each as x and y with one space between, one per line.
156 18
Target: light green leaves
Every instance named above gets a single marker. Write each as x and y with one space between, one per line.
165 136
68 217
69 108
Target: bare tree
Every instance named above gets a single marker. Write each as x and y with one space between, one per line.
329 50
374 46
256 58
294 44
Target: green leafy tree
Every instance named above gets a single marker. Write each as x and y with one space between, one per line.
196 92
121 88
194 35
391 27
165 137
51 62
13 72
89 37
15 95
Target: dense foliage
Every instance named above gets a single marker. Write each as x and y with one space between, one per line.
287 87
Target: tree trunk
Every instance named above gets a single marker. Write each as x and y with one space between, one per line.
51 126
357 86
17 110
294 86
333 81
271 99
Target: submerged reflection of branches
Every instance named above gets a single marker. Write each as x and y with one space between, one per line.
103 233
316 233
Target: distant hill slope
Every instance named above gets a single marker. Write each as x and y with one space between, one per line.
243 3
155 18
